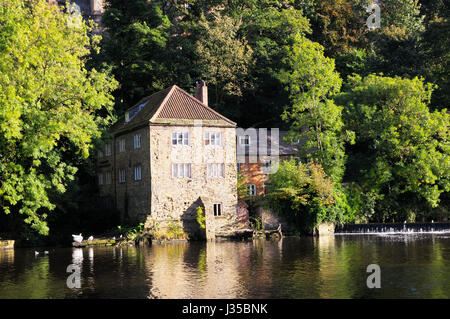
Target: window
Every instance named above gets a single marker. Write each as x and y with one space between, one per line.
100 179
122 145
181 170
108 149
215 170
100 154
244 140
180 138
251 190
137 141
132 113
122 176
213 138
137 172
217 210
265 186
108 178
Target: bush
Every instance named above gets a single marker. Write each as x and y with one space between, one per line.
306 196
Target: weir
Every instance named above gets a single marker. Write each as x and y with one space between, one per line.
393 228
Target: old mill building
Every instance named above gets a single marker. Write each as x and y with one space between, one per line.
169 154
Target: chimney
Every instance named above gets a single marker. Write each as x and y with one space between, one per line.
201 92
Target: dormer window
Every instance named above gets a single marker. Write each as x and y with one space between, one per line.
129 115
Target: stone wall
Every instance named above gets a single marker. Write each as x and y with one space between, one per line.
324 229
132 198
177 198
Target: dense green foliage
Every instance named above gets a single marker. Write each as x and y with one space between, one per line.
402 150
49 106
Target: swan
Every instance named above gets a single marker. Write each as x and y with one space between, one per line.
77 238
91 238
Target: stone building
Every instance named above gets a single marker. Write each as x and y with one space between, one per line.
169 154
89 9
259 152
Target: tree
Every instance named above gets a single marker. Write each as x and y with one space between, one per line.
402 150
435 51
134 48
314 117
49 105
396 42
269 27
223 56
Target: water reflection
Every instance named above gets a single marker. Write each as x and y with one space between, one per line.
324 267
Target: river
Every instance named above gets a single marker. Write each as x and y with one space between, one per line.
412 266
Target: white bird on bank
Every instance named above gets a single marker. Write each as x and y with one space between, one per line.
36 253
77 238
46 252
114 238
91 238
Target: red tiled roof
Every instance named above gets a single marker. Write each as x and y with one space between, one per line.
182 105
170 103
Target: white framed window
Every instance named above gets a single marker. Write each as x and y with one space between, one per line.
122 175
180 138
108 149
215 170
244 140
217 210
100 154
122 145
100 178
137 172
251 189
108 178
137 141
181 170
213 138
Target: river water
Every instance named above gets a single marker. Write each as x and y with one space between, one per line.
412 266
